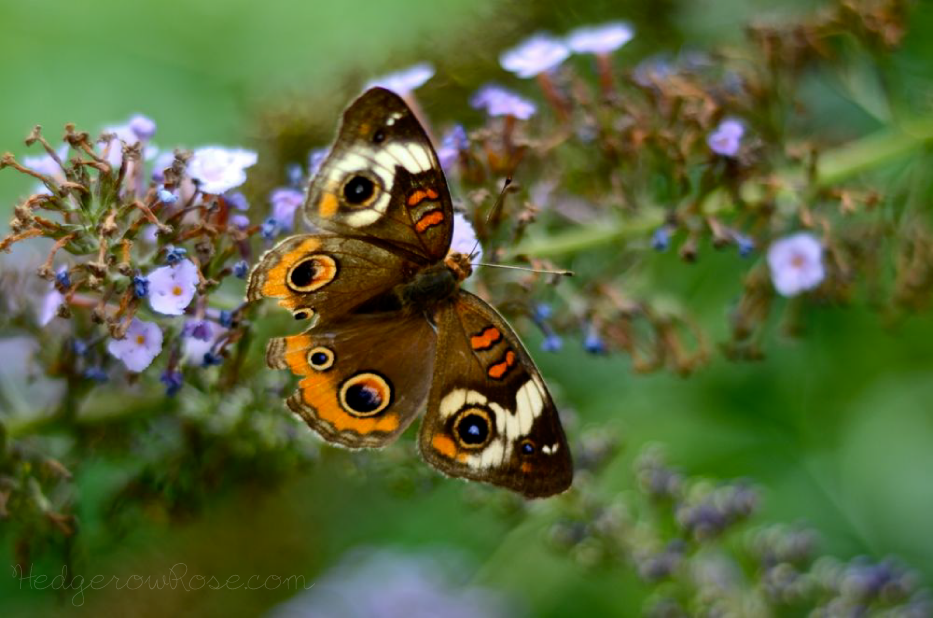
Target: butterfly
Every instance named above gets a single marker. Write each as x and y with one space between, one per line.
392 332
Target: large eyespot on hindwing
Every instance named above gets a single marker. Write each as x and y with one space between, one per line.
365 394
473 427
321 358
311 273
360 189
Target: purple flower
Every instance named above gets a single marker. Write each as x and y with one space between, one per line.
171 288
404 81
237 200
498 101
552 343
142 126
592 342
140 286
315 158
661 239
52 300
796 263
241 269
217 169
269 229
240 221
173 381
166 196
285 202
142 343
452 144
174 254
464 238
602 39
535 55
198 339
127 134
45 164
727 138
162 161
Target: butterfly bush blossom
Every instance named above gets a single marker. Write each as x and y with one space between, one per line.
796 263
171 288
140 346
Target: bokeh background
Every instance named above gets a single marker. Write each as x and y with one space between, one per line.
836 425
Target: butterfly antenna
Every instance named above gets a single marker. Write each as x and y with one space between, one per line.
563 273
495 209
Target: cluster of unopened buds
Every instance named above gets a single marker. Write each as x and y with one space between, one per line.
712 561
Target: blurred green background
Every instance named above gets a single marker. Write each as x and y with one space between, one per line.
836 426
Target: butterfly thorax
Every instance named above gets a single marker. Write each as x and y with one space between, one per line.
435 284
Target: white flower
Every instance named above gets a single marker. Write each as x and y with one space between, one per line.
796 263
404 81
143 342
218 169
535 55
171 288
601 39
464 238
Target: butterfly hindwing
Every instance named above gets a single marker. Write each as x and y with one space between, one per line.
382 180
324 275
490 417
363 379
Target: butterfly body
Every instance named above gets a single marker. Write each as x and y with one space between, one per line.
392 332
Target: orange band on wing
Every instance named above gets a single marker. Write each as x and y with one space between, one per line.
502 367
485 339
434 217
319 392
444 445
328 205
274 285
419 195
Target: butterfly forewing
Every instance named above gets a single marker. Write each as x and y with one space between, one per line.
382 181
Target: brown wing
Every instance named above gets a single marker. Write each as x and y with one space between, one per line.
490 417
363 379
382 181
324 275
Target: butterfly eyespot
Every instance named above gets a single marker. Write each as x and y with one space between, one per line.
311 273
359 190
473 428
379 136
365 394
302 314
321 358
527 447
